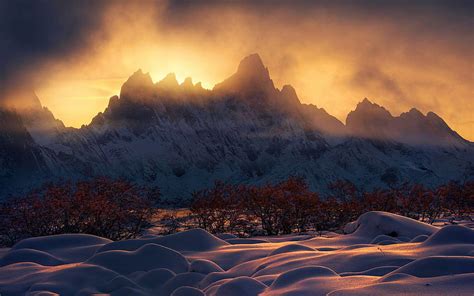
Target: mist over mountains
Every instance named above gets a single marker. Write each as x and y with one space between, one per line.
183 137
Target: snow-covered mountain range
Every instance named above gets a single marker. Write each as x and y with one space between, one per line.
182 137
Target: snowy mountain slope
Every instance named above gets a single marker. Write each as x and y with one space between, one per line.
183 137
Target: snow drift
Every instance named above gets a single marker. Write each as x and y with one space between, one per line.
381 254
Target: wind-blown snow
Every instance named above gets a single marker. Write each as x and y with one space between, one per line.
382 254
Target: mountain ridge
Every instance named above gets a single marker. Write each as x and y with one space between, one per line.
183 137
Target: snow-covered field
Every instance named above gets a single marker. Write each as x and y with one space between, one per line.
383 254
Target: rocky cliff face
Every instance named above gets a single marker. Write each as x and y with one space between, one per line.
183 137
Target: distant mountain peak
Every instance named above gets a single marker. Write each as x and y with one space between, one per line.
366 104
199 85
138 83
140 76
370 120
288 92
434 116
414 114
251 77
252 67
415 111
169 81
366 111
188 82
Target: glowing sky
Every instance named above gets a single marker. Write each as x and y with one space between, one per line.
399 54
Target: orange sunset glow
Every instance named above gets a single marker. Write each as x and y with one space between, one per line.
380 59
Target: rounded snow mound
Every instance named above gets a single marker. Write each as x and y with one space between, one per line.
240 286
382 237
118 283
420 238
290 248
30 255
187 291
204 266
191 279
70 248
452 234
437 266
43 293
146 258
372 224
392 277
194 240
63 241
298 274
246 241
155 278
213 278
376 271
68 281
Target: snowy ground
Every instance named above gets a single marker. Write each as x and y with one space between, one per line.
383 254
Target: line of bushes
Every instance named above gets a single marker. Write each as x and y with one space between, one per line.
289 206
119 209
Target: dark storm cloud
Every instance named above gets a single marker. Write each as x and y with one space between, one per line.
370 77
31 32
404 8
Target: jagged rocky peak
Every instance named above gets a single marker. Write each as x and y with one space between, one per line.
287 100
252 67
367 113
439 125
193 92
187 83
435 118
138 84
113 100
372 121
251 79
169 82
415 112
414 115
288 93
140 79
430 123
367 106
367 110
